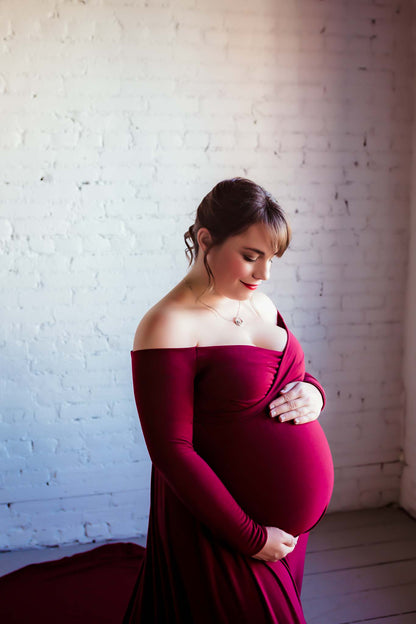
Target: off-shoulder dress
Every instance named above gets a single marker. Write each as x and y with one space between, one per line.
223 470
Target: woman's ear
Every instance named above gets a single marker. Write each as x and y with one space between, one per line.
204 238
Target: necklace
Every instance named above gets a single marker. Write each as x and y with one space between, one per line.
237 320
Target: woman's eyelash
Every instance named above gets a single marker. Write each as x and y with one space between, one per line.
253 259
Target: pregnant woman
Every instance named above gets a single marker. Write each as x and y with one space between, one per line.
241 468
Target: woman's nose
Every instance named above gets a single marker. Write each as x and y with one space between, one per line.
263 272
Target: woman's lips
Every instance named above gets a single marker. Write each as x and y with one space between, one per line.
250 286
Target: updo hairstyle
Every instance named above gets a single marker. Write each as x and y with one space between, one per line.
230 208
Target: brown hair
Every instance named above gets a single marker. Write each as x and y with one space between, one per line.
230 208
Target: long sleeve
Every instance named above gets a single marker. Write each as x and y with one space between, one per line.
310 379
163 381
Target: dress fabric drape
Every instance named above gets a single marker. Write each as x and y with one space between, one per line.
222 470
93 587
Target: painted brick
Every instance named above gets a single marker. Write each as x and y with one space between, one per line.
118 122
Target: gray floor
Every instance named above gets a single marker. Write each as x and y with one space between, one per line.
360 567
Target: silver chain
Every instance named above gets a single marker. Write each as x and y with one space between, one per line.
237 320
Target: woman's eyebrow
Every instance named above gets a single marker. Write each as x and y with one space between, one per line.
256 250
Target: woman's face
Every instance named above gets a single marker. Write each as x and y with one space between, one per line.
242 259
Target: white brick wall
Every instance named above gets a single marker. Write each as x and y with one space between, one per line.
117 117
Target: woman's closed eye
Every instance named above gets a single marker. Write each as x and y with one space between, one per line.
254 259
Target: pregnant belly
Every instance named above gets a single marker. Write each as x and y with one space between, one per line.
281 474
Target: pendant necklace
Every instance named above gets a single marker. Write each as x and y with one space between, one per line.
237 320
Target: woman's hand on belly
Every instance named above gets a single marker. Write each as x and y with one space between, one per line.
300 401
278 545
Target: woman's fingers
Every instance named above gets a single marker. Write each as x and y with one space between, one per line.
290 409
291 542
299 402
287 399
301 420
279 543
295 413
288 538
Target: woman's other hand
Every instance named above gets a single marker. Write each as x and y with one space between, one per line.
278 545
300 401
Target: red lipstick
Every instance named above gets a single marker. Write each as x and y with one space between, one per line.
250 286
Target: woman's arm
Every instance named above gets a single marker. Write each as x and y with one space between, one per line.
163 379
300 401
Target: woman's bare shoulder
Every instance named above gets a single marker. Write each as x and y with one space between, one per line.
163 327
265 306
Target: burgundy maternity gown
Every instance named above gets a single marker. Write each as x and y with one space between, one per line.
222 470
